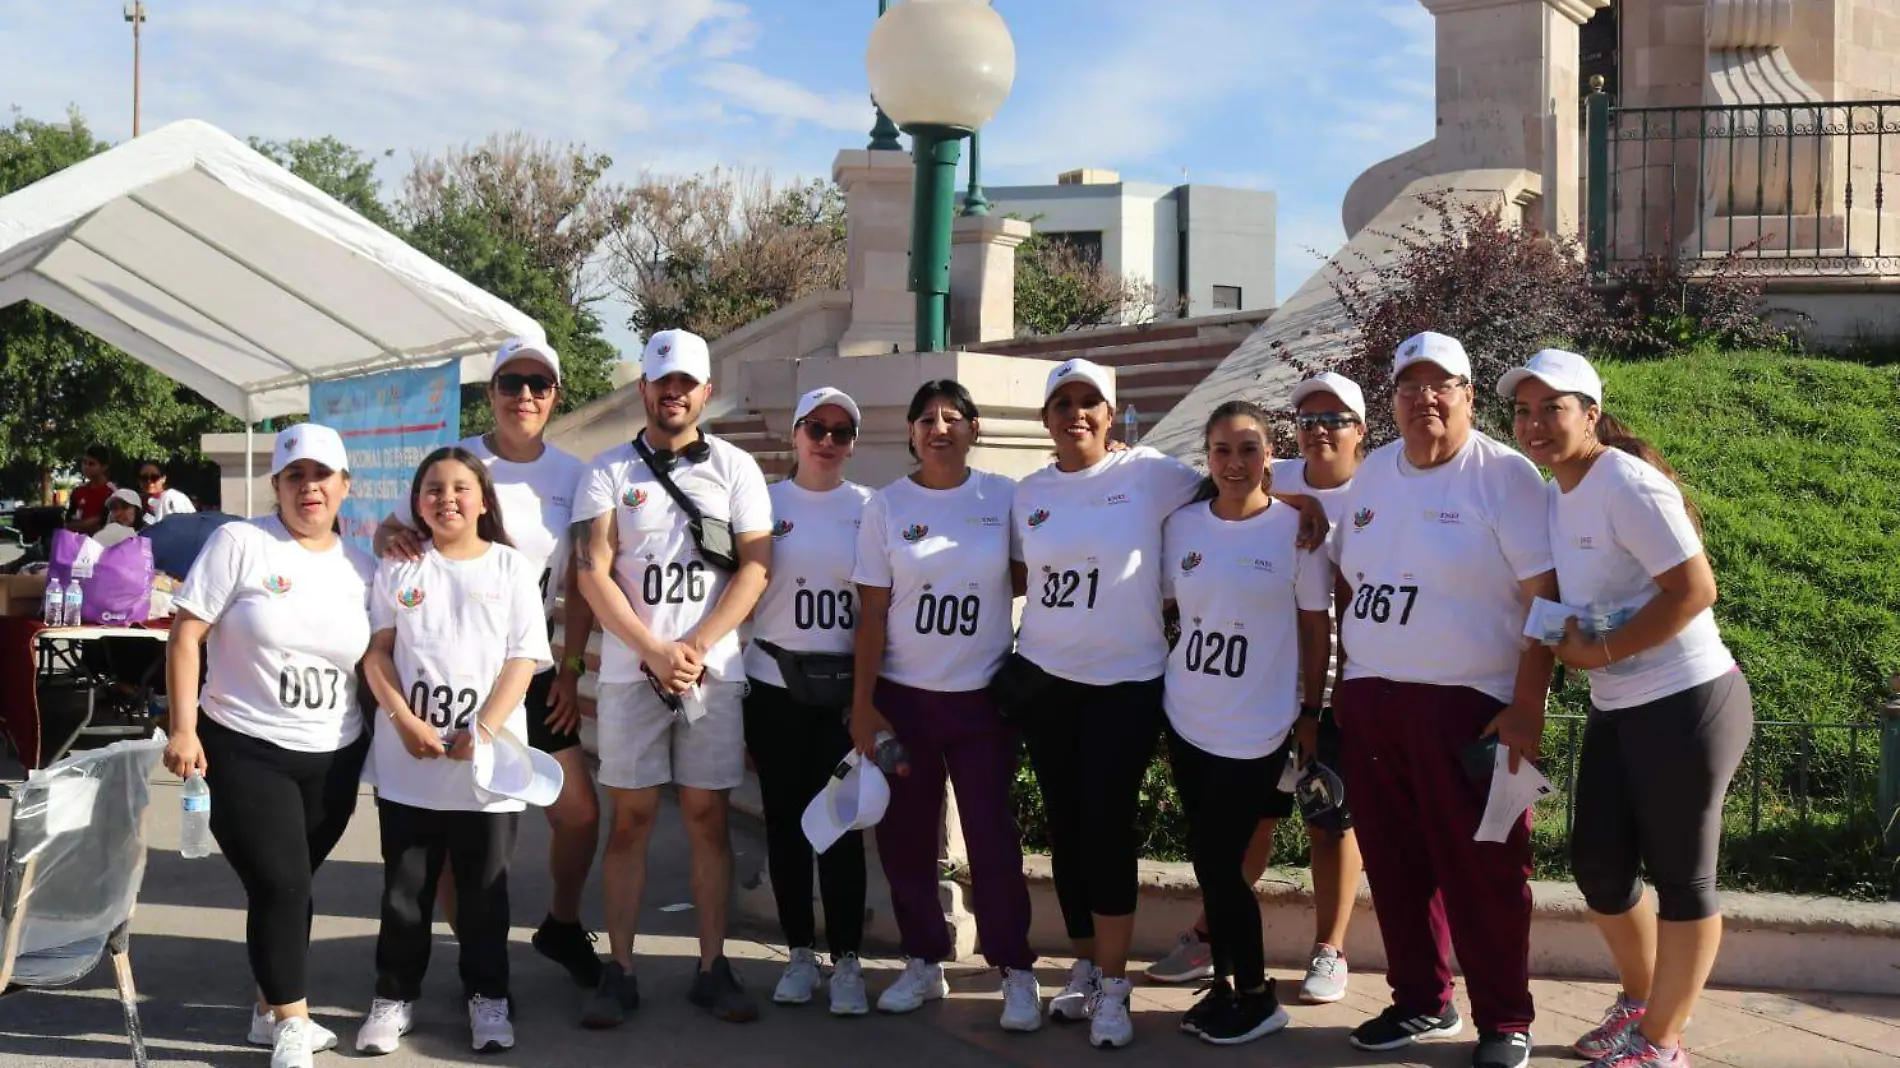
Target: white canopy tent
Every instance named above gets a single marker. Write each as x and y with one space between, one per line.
222 270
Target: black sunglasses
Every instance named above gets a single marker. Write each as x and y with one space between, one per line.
149 476
509 385
1329 420
840 435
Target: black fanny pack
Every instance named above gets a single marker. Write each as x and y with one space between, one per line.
1017 686
822 680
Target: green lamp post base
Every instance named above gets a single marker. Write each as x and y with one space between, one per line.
936 151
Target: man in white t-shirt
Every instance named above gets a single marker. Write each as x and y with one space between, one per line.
671 679
1442 541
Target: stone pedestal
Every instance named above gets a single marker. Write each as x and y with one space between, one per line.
983 278
877 192
227 451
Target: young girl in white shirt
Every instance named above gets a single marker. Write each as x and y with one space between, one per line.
1670 713
458 634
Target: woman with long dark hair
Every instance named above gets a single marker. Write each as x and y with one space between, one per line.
1670 712
458 635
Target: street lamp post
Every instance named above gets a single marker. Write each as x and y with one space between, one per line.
940 69
974 202
135 14
883 131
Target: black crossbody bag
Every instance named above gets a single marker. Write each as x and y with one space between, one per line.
822 680
713 537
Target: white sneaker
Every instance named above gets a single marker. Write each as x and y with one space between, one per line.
847 987
1109 1022
921 982
382 1032
264 1032
800 979
1022 1000
1073 1003
489 1026
291 1044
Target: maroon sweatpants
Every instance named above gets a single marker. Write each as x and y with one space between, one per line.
1434 889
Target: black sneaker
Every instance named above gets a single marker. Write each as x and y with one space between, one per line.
570 946
1217 998
1244 1018
1396 1027
617 994
719 991
1502 1049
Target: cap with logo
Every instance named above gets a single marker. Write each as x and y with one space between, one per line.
506 768
1080 370
1338 385
680 352
521 348
309 441
822 396
1563 371
854 799
1444 352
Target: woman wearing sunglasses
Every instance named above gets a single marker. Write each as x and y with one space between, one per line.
1332 435
535 484
160 500
794 717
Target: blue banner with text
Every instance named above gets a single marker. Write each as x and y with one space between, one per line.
389 422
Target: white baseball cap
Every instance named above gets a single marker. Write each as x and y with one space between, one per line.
1563 371
129 496
1432 348
309 441
508 769
1338 385
676 352
1080 370
520 348
822 396
854 799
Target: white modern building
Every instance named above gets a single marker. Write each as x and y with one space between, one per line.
1212 244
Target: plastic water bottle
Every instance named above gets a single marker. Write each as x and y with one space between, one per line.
891 755
75 600
194 818
53 608
1131 432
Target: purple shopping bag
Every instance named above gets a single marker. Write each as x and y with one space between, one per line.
116 582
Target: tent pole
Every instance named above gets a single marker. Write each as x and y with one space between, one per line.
250 477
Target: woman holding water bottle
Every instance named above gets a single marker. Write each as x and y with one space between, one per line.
1670 713
280 741
934 588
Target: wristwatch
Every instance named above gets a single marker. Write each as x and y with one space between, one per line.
576 663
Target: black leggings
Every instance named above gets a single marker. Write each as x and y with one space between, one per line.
795 747
1223 798
476 846
1090 747
276 814
1650 782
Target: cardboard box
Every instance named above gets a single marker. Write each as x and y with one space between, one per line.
20 595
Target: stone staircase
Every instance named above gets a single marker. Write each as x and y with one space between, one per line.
1156 364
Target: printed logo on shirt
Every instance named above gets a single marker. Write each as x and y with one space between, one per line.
633 498
1116 498
1586 541
277 584
1190 562
987 521
1262 565
916 532
1433 515
410 596
1038 518
1361 518
781 528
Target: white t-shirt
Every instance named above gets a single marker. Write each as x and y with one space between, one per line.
944 555
1624 523
1434 558
1091 541
1289 477
657 566
168 503
457 622
288 627
113 533
537 507
811 605
1233 678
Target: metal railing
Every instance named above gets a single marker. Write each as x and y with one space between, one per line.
1792 190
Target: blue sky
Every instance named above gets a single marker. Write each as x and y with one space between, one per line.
1295 96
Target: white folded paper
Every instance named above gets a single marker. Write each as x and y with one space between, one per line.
1511 793
1545 623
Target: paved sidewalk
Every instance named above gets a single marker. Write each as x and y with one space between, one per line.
188 954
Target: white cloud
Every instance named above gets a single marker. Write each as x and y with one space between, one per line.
756 91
